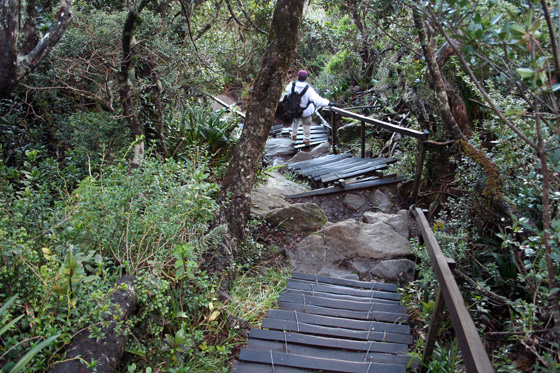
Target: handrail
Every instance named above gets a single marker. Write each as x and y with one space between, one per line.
475 356
420 135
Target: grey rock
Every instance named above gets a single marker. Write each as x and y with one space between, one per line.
279 146
319 150
374 241
349 132
353 201
398 270
396 222
269 196
300 217
300 157
350 246
381 201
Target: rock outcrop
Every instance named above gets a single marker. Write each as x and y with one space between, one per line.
299 217
358 247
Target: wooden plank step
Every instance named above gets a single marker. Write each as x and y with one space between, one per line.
311 139
356 170
245 367
363 335
358 315
329 353
319 160
343 290
337 322
315 171
365 285
306 362
342 304
316 131
386 180
330 342
354 161
332 167
311 143
300 129
340 297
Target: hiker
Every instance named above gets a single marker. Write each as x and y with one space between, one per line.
309 100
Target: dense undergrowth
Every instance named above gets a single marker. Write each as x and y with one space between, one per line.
74 217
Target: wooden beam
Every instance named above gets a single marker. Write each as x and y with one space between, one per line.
226 106
474 355
379 123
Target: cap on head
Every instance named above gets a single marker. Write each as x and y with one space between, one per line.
302 74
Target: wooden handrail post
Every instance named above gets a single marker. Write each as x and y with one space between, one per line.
363 138
334 133
419 168
435 324
474 355
437 317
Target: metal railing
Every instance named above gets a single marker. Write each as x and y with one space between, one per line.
473 352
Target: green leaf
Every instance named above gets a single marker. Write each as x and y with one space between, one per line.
29 355
517 29
496 19
555 87
6 305
10 324
525 72
535 26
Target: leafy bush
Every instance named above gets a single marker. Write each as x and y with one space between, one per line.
199 126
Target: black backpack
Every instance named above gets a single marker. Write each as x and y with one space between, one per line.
292 102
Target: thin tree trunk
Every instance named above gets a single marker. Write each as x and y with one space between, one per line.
235 194
125 86
14 63
493 188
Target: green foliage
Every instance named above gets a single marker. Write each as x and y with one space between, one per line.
133 218
16 367
200 127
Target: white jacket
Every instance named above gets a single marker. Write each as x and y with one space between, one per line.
310 97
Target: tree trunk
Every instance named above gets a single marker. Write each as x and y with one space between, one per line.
20 57
125 86
493 188
235 193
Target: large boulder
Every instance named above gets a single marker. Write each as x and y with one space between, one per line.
398 222
269 196
316 152
356 247
397 270
278 147
374 241
381 201
353 201
300 217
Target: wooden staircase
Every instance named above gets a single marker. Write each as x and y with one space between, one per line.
327 324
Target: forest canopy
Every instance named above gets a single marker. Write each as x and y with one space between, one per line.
112 164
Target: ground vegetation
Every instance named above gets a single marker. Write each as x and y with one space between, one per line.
81 206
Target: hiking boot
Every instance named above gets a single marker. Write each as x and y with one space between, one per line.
294 137
307 142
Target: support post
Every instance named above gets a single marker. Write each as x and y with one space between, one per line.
363 136
419 168
334 133
435 323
